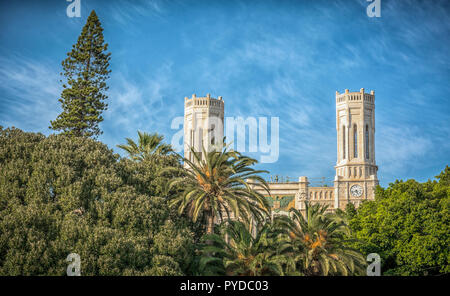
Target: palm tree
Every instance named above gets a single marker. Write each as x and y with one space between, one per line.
217 186
319 242
235 251
148 145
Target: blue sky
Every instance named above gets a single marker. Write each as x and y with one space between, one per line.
283 58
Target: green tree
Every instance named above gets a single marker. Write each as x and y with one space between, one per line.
318 243
218 185
408 226
61 195
86 70
148 145
235 251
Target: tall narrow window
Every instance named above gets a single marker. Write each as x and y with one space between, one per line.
355 142
367 141
213 139
191 143
343 142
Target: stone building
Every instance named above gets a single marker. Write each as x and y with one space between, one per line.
203 124
356 169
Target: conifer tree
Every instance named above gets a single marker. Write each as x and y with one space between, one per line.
86 70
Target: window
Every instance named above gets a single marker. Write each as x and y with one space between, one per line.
355 142
213 139
343 142
191 144
367 141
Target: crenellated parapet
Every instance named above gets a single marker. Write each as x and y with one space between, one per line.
360 96
207 101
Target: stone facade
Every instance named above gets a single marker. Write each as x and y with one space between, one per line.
203 123
356 169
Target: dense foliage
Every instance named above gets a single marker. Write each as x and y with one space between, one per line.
408 225
319 243
312 245
61 195
238 249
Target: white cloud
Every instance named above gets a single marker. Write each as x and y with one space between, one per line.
139 103
30 92
397 148
127 13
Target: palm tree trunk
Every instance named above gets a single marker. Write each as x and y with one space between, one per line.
210 227
210 223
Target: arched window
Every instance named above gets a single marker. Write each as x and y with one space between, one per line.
355 141
191 143
213 139
367 141
343 142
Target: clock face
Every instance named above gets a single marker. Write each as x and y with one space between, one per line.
356 190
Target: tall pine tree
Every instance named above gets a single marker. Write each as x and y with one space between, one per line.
86 70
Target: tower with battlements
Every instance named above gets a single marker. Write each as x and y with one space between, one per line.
203 124
356 169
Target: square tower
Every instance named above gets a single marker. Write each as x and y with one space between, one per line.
203 124
356 169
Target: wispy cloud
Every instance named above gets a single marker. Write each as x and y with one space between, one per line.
30 91
139 103
285 60
398 147
127 13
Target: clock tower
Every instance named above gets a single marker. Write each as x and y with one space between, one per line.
356 170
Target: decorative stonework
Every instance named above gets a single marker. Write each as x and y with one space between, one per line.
356 169
203 123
